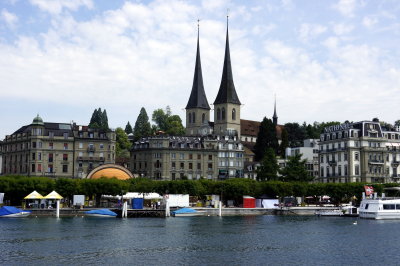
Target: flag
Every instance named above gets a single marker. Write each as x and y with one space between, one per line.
369 190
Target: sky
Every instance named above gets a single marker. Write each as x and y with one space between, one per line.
324 60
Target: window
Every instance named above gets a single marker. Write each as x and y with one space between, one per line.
65 157
198 156
65 135
80 145
322 158
40 144
51 146
210 166
190 118
198 166
233 114
190 156
210 157
51 134
80 154
173 165
101 146
194 117
33 168
173 176
50 157
218 114
65 168
101 155
223 113
182 165
181 156
33 156
34 144
65 146
39 156
190 166
357 170
173 155
50 168
39 168
203 118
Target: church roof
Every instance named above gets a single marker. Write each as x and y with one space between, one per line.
227 92
198 97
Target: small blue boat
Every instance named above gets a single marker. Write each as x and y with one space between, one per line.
186 212
12 212
101 213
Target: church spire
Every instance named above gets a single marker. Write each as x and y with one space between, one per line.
227 92
275 117
198 97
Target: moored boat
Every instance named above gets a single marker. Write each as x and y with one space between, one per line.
186 212
380 208
101 213
12 212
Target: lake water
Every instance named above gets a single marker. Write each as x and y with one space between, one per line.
240 240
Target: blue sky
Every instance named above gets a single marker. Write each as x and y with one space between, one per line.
325 60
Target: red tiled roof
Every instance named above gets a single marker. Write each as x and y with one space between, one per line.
249 128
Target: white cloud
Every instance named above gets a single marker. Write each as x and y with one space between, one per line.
56 6
346 7
342 29
9 18
309 31
369 21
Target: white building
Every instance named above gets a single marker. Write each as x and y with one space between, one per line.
359 152
309 151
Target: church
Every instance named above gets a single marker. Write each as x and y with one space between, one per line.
211 150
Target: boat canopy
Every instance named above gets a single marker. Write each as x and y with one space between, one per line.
184 210
6 210
102 212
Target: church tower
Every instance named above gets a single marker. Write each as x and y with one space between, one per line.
227 104
197 108
275 117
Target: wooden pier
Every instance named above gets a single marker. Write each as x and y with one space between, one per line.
141 213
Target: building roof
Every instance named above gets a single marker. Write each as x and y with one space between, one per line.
110 171
227 92
198 97
249 127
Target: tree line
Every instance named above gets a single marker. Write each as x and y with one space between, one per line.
16 188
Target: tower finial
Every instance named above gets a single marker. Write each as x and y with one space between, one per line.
227 16
275 117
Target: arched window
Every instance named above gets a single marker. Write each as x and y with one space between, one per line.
233 114
194 117
223 113
203 118
190 118
218 114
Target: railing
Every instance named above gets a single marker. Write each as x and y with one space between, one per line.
100 159
91 149
375 161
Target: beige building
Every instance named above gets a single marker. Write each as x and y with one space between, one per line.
359 152
56 150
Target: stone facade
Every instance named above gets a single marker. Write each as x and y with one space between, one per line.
56 150
359 152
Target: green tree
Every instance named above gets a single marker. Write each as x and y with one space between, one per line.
397 123
266 138
269 167
295 170
99 119
142 126
284 143
128 128
123 144
168 123
296 134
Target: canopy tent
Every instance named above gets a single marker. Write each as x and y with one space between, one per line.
34 195
53 195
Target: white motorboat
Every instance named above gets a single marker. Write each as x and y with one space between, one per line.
335 212
12 212
380 208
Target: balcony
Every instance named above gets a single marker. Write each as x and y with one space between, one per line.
92 159
395 163
50 174
379 162
395 175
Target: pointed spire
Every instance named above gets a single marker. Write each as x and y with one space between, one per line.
227 92
198 97
275 117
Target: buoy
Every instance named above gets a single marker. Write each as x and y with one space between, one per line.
355 223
